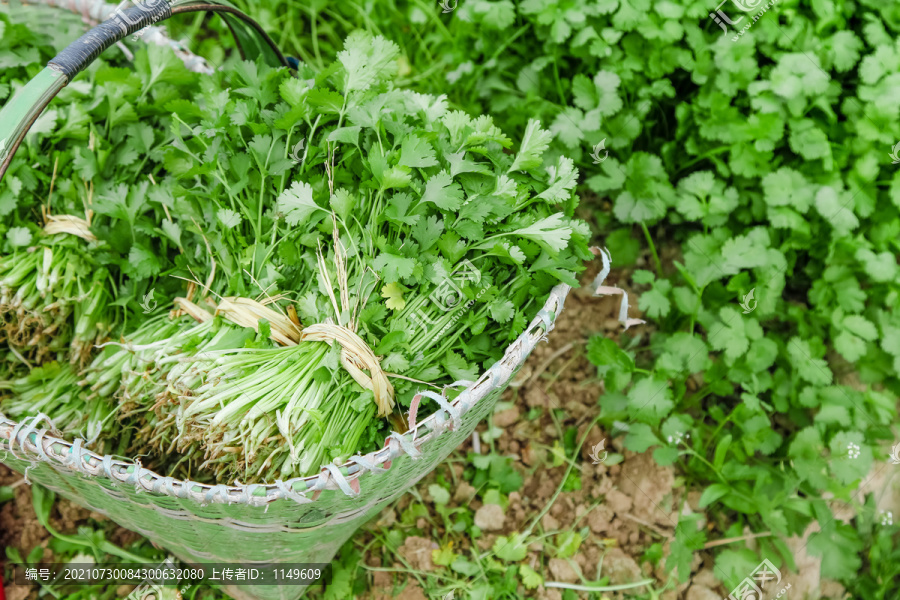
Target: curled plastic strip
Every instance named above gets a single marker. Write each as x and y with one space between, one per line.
413 412
39 443
247 496
134 478
463 383
73 458
606 259
289 492
321 482
455 417
546 318
367 464
183 490
340 480
14 436
107 465
163 483
25 428
605 290
395 439
211 493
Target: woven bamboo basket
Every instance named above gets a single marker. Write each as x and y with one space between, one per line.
302 520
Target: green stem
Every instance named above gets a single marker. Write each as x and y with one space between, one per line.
659 271
718 429
597 588
105 546
559 90
565 478
704 156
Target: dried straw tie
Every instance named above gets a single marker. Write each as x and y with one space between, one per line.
69 224
356 356
247 313
355 353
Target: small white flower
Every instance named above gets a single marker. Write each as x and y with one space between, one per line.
887 518
678 438
852 450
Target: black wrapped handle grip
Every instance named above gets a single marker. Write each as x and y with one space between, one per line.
80 53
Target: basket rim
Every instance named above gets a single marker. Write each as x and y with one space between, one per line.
37 445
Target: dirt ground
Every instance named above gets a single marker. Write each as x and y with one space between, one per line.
626 507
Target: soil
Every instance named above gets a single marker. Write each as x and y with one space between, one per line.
626 507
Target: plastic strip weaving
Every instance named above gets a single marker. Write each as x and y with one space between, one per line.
302 520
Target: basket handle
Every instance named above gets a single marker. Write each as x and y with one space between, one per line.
82 52
20 112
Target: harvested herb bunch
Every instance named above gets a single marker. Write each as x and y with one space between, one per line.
347 244
388 224
54 298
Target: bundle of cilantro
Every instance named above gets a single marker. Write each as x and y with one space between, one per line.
410 248
70 281
51 303
366 220
82 234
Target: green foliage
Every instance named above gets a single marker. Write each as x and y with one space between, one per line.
496 471
432 201
762 163
765 162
